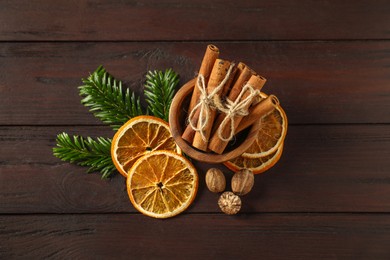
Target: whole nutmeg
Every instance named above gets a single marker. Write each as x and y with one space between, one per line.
215 180
229 203
242 182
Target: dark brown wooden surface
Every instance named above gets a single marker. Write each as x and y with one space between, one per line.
327 61
193 20
194 236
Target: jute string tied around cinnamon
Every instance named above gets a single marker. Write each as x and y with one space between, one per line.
205 103
232 109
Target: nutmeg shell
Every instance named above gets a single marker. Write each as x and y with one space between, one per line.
215 180
242 182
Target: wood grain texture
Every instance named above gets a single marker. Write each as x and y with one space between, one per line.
267 236
316 82
156 20
323 169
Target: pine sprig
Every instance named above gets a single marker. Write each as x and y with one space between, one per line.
94 154
110 103
106 99
159 90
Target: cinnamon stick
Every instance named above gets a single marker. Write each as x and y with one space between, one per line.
210 56
257 112
189 132
216 143
220 71
228 84
242 76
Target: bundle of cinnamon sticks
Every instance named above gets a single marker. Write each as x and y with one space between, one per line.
224 102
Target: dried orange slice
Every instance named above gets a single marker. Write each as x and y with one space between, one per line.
162 184
137 137
257 165
273 129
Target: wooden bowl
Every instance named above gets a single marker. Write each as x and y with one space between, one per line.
177 117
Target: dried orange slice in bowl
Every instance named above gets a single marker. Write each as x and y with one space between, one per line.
257 165
273 130
137 137
162 184
267 149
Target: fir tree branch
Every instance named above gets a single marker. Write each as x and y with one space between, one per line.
106 99
95 154
159 90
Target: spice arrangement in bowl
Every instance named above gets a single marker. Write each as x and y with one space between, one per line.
222 120
229 120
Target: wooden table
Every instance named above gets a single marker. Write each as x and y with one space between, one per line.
327 61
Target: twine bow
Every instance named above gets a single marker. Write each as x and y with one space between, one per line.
205 103
236 108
